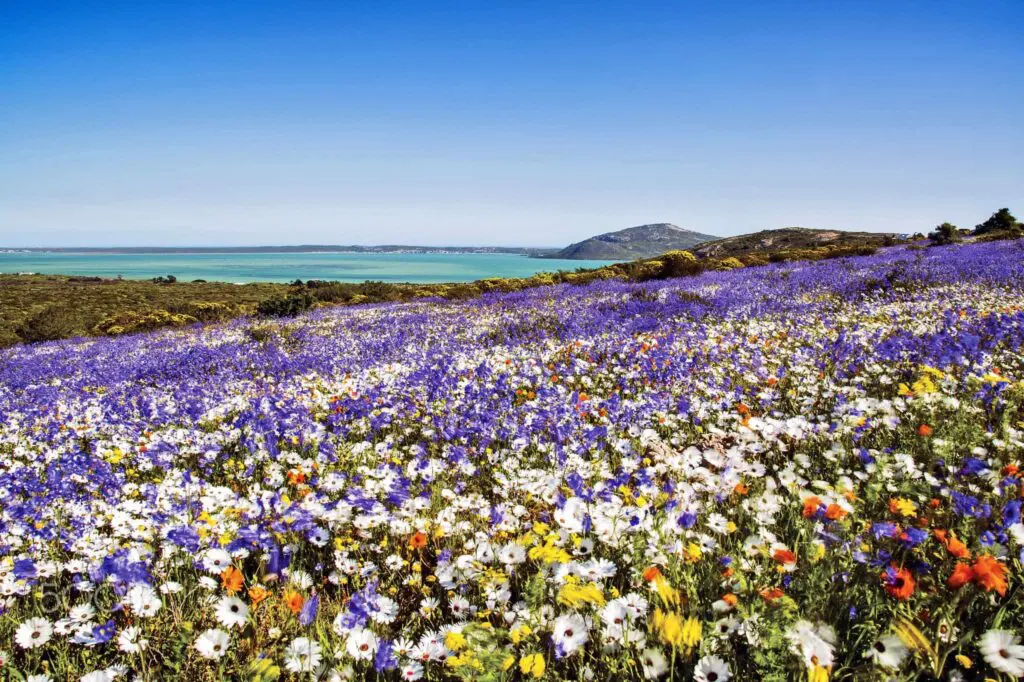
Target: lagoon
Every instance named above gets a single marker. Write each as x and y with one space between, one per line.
287 267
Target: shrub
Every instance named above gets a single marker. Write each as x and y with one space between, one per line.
1001 220
285 306
946 233
132 321
679 264
206 311
54 322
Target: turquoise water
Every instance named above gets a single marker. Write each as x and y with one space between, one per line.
287 267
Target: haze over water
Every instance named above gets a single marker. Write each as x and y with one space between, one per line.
287 267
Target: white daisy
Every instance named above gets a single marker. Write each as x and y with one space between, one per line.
653 663
411 671
131 641
1003 651
97 676
143 601
570 633
33 632
889 652
361 644
216 560
302 655
231 612
711 669
212 644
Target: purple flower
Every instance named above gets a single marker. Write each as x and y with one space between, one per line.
309 610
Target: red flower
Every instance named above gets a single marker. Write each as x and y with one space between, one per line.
899 583
990 574
961 575
811 505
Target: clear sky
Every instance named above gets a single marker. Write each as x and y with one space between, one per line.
501 123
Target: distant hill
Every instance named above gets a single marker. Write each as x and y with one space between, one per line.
301 248
642 241
768 241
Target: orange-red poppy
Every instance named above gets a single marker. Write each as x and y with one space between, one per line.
961 575
651 573
901 585
770 594
924 430
990 574
784 556
958 549
834 512
418 540
811 505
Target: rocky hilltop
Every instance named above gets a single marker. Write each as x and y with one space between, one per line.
642 241
767 241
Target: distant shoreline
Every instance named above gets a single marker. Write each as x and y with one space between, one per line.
301 248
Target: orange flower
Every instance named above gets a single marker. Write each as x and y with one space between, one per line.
294 601
231 579
418 540
296 477
834 512
770 594
811 505
900 583
651 573
784 556
958 549
730 599
924 430
990 574
258 593
741 489
961 575
1010 470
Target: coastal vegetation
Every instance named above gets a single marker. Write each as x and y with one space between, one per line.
47 307
35 308
809 469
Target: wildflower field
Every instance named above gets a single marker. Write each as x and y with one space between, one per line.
796 471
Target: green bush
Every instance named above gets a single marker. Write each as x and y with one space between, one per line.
54 322
285 306
679 264
148 320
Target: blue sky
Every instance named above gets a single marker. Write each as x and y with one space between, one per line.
525 123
